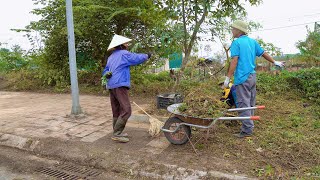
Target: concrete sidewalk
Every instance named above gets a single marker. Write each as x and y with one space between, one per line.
47 115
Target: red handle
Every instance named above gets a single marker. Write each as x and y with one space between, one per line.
261 107
254 118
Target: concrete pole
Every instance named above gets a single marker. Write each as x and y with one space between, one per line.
76 109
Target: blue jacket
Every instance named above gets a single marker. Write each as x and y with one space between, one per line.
119 63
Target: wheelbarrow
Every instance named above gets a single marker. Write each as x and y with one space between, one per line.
177 129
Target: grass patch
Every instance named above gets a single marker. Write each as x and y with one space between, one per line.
285 142
315 171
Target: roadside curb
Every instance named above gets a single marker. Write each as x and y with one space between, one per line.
139 118
176 172
144 118
171 171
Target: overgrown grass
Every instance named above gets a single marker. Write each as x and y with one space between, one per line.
305 82
286 142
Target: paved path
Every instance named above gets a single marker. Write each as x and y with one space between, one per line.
48 115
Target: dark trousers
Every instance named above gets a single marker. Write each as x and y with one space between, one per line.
121 108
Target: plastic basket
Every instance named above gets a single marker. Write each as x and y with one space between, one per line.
165 100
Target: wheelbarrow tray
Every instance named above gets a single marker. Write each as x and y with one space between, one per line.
174 109
181 123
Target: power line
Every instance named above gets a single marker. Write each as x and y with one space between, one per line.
282 27
307 15
286 18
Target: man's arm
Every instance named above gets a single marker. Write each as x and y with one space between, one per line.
233 66
270 59
266 56
231 70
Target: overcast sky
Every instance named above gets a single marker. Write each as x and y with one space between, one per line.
272 14
15 14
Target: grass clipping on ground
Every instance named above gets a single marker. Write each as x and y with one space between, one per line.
203 101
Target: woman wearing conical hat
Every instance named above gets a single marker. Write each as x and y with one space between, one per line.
117 71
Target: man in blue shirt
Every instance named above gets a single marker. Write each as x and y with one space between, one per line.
243 53
118 75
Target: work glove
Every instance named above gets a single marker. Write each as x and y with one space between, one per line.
226 82
278 63
149 55
108 75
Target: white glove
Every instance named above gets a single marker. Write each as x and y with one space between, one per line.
278 63
226 82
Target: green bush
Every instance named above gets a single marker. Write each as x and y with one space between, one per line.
162 76
150 84
309 83
37 75
306 82
12 59
23 80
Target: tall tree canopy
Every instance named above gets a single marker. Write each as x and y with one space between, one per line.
162 26
192 14
95 22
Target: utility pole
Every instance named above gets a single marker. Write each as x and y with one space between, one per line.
76 109
316 27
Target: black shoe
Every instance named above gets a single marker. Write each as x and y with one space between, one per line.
242 135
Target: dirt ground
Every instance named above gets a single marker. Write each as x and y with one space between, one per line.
44 118
145 156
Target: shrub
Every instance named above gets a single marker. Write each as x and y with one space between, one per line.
306 82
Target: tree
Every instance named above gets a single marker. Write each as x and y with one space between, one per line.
95 22
310 48
269 47
220 31
194 13
12 59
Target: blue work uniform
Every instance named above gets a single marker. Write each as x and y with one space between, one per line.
246 49
118 64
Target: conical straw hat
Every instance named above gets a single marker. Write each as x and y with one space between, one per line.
118 40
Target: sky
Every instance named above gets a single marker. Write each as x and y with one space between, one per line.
275 16
15 14
271 14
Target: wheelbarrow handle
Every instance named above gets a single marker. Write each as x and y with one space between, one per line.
246 108
213 122
239 118
255 118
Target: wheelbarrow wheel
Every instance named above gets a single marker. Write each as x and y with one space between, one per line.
181 135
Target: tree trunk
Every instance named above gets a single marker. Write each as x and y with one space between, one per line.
188 44
228 59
